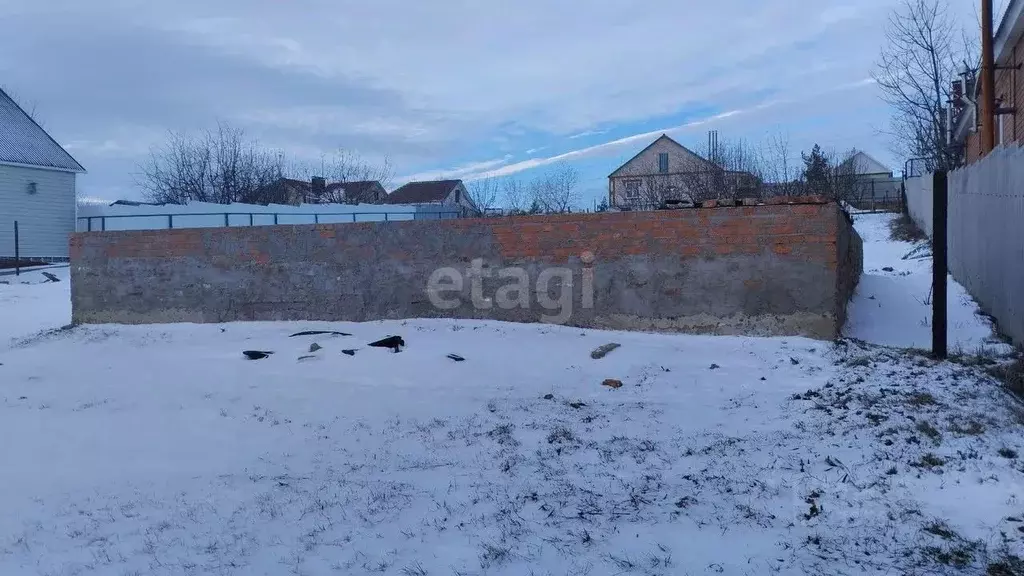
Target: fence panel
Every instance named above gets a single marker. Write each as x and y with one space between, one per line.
986 235
919 201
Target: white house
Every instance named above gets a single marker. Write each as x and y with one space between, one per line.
37 187
865 165
451 193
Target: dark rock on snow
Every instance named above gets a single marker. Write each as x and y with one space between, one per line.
603 350
393 342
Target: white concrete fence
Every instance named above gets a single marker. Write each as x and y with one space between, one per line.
985 232
93 217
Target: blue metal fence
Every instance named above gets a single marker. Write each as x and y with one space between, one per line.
230 219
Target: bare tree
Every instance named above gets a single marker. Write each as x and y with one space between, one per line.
555 192
780 175
516 195
343 166
733 168
219 166
483 193
30 107
915 72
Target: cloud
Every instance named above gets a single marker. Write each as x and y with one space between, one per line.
588 133
448 81
644 138
461 172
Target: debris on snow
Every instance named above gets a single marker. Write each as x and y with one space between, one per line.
602 350
456 357
349 352
314 347
393 342
612 383
256 354
319 332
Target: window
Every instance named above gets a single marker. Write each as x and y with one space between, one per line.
663 162
633 189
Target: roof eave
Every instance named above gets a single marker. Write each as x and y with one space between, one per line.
1010 30
78 170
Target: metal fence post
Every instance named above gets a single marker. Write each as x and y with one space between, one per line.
940 265
170 221
17 251
227 223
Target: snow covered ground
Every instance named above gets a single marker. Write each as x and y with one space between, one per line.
893 305
160 450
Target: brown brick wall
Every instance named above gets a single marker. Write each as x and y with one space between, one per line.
761 262
1009 85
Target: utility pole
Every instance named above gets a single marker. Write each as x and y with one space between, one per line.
988 81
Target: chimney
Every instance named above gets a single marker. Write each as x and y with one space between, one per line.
317 188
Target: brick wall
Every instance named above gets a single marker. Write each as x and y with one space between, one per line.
780 269
1009 84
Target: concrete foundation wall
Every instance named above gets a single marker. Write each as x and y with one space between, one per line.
761 270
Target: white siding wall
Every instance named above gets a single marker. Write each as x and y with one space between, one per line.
45 219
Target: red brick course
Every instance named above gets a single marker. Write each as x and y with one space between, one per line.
804 230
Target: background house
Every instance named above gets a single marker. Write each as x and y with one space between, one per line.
37 187
874 185
444 192
318 191
667 170
361 192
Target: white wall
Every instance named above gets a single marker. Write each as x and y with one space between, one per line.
985 232
919 202
45 218
208 215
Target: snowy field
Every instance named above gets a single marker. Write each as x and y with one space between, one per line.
160 450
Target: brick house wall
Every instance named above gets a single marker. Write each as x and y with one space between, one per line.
1009 83
759 270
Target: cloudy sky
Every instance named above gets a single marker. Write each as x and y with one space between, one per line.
455 88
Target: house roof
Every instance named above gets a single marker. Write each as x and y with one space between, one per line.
357 189
869 164
423 192
656 140
23 142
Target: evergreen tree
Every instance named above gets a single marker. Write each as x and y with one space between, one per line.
534 208
816 171
603 205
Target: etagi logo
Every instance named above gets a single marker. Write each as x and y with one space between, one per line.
552 289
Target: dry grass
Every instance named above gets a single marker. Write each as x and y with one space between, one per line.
1011 375
903 229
